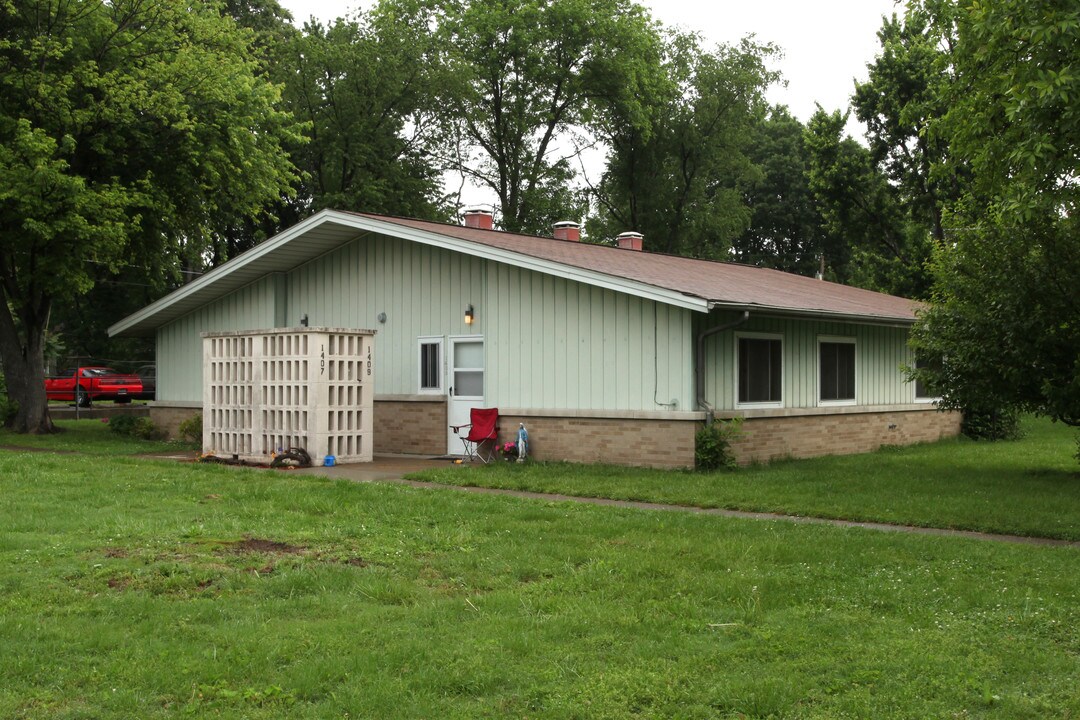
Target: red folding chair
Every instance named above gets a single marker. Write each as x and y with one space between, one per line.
483 427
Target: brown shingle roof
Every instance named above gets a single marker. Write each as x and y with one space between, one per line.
721 283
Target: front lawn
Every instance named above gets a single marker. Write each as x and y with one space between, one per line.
136 588
91 437
1025 487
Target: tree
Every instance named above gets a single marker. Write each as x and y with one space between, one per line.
124 124
678 167
866 239
1005 324
906 91
524 76
785 229
367 90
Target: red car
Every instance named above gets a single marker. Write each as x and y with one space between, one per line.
86 384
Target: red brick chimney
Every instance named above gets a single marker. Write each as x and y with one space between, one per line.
567 230
481 218
630 241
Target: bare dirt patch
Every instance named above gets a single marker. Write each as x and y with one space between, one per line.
258 545
119 583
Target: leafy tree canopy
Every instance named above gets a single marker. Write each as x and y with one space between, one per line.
785 230
866 240
679 164
366 88
525 78
124 124
1005 326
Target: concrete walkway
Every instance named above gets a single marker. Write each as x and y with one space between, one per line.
391 469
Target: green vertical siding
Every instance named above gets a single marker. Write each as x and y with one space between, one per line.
422 290
560 344
880 352
549 342
179 344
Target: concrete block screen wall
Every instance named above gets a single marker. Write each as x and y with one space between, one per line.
265 391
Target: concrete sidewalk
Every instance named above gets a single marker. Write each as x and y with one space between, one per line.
393 468
382 468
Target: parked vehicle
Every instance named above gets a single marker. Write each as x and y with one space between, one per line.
148 375
86 384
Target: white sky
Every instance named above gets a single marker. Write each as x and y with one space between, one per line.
826 44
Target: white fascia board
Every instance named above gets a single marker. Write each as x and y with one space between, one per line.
816 314
466 247
246 258
509 257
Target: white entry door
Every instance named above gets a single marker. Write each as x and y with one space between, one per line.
466 385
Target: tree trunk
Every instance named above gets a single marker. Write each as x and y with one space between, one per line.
23 356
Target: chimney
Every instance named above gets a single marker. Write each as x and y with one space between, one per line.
630 241
481 218
567 230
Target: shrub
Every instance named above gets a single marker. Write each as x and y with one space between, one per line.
145 429
991 424
137 427
122 424
712 444
191 429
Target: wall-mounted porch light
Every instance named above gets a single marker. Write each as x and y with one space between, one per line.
303 320
468 314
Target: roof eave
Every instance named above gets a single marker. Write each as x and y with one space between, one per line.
777 311
204 281
138 323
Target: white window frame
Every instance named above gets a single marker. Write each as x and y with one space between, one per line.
420 343
927 399
783 375
835 339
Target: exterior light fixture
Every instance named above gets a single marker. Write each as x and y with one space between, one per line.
304 320
468 314
382 317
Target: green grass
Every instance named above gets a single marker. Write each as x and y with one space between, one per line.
124 593
91 437
1027 487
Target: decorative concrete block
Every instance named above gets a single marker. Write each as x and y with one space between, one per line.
265 391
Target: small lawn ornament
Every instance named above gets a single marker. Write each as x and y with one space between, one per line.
522 442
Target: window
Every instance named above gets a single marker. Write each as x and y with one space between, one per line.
836 360
923 391
759 370
431 371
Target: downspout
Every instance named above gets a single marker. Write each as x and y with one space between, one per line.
709 410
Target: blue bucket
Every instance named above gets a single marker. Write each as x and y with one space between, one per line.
329 461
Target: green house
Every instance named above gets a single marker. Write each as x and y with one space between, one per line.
605 353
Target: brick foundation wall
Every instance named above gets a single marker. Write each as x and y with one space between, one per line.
418 426
773 438
619 441
169 417
99 411
411 426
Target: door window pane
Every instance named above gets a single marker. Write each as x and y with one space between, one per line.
469 383
469 355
